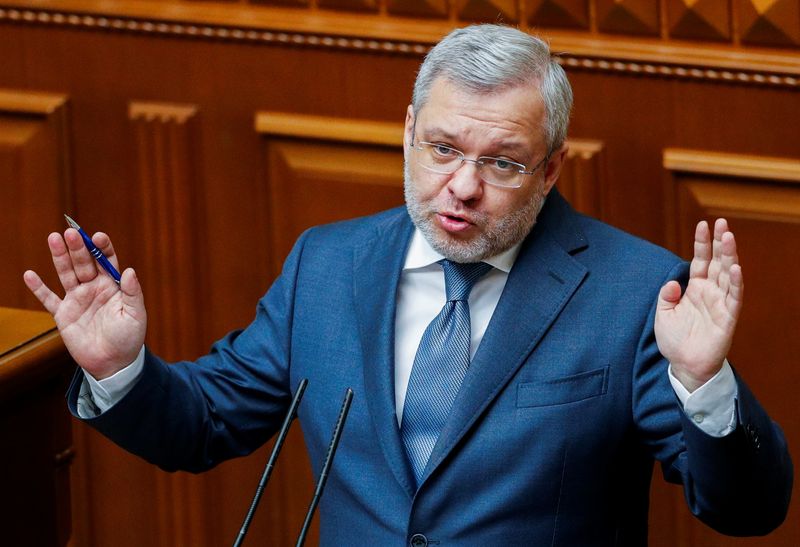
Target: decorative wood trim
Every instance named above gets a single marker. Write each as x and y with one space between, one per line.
732 165
30 102
770 203
381 34
582 179
329 129
165 138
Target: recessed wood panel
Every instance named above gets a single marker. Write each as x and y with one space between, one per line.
628 16
764 214
324 169
558 13
359 5
422 8
770 22
35 188
489 11
699 19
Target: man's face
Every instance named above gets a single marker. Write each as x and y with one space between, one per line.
462 217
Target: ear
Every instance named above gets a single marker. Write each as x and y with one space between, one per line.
553 167
408 132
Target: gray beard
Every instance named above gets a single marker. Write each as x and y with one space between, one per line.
495 237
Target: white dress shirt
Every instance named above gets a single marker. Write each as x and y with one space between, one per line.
420 297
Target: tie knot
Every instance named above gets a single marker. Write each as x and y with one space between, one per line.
459 278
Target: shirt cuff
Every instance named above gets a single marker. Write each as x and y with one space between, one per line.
97 396
711 406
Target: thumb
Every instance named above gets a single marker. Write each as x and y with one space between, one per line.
132 297
669 296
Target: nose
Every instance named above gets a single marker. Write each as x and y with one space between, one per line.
465 183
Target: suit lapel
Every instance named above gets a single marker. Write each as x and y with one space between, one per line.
378 263
543 279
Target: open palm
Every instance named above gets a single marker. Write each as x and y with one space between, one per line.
694 331
103 325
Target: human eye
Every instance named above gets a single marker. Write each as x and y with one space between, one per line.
443 151
503 165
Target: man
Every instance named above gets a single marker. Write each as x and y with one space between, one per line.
526 407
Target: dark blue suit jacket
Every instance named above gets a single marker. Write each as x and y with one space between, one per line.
554 432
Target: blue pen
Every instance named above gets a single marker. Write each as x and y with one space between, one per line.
95 252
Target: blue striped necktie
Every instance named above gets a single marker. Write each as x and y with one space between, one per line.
440 365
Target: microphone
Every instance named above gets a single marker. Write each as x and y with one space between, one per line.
301 388
323 477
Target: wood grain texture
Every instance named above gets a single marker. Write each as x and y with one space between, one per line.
582 180
732 165
35 185
172 267
764 214
35 426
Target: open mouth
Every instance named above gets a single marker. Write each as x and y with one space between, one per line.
453 223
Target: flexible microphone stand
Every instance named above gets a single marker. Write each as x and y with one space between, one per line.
323 476
301 388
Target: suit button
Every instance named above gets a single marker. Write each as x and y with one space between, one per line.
418 540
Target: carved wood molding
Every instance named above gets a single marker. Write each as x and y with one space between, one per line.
732 165
30 102
329 129
164 136
386 35
582 179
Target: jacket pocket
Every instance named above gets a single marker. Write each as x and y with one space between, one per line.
568 389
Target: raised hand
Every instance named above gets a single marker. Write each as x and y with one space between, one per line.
103 325
695 331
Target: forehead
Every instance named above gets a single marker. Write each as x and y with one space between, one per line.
511 117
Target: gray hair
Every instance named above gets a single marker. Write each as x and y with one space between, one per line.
487 58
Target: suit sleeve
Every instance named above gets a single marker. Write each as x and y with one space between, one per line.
193 415
739 484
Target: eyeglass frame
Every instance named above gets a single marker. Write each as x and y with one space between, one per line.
477 161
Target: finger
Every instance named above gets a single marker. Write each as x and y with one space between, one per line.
82 262
48 298
728 258
735 296
103 242
720 227
669 296
702 251
62 261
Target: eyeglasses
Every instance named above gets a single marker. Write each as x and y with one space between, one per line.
445 160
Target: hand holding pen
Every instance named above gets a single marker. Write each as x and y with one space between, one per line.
101 321
96 253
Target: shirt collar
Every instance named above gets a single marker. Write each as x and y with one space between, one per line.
421 255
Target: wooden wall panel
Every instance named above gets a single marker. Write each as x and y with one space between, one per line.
487 10
760 197
327 169
558 13
628 16
420 8
35 185
699 20
770 22
222 63
582 180
172 267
